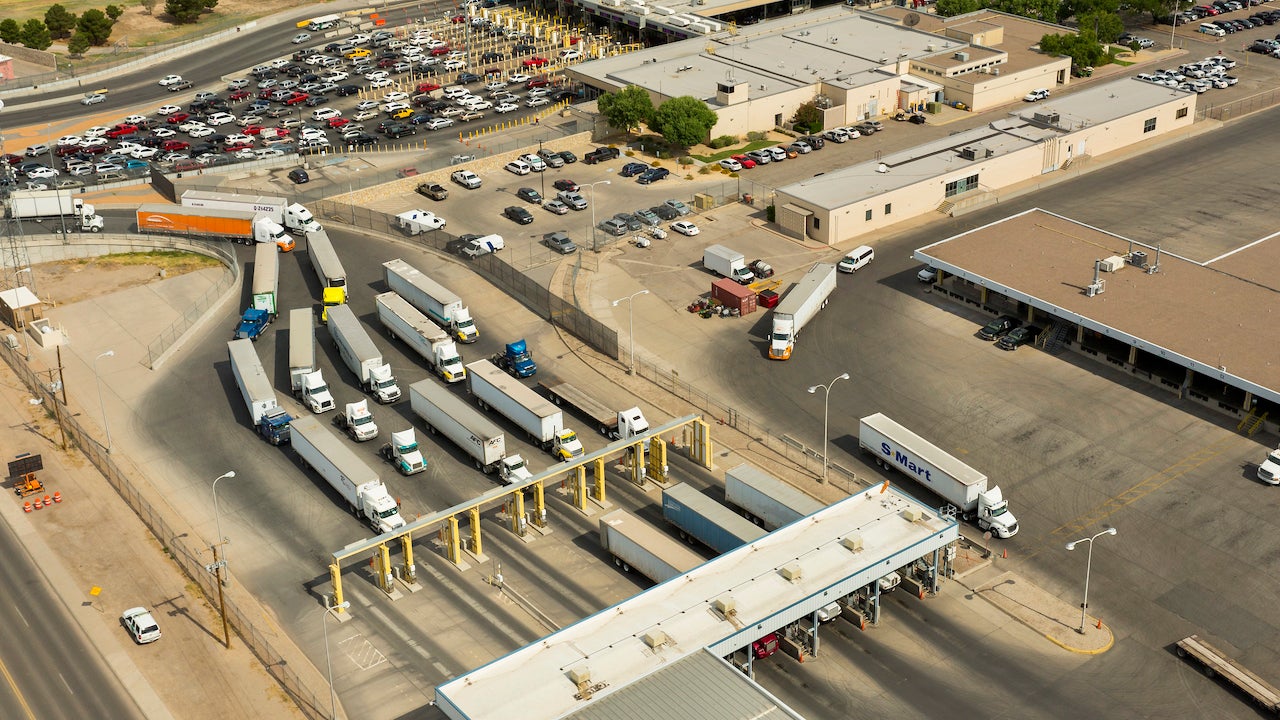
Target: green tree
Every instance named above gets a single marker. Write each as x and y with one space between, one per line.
809 117
59 22
10 31
684 121
1046 10
210 4
95 25
35 35
951 8
114 12
78 44
148 6
184 11
627 108
1106 26
1083 48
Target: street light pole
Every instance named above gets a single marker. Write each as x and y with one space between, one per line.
219 564
101 406
1088 566
328 664
217 517
631 324
26 342
591 186
826 400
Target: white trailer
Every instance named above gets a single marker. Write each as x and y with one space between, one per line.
531 412
324 260
432 343
357 483
305 379
765 499
800 306
40 205
634 543
266 279
293 216
265 414
432 298
361 356
896 447
446 414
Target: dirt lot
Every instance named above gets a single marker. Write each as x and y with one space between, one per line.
68 281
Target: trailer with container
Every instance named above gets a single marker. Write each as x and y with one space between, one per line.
634 543
443 307
357 483
798 307
361 356
894 446
765 499
67 209
516 359
446 414
356 421
613 424
329 271
245 228
727 263
266 280
305 378
294 217
403 452
532 413
265 414
698 517
429 340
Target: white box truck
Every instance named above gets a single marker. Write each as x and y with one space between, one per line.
727 263
531 412
800 305
265 414
634 543
416 222
361 356
765 499
294 217
357 483
896 447
41 205
700 518
266 279
305 379
432 298
446 414
432 343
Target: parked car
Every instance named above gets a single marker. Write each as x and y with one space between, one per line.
998 327
518 214
1036 95
299 176
601 154
1018 337
142 626
529 195
466 179
435 191
653 175
684 227
856 259
632 169
556 206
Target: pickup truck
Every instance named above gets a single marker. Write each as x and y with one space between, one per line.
435 191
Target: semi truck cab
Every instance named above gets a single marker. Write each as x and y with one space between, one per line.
464 328
512 470
331 297
567 445
403 452
315 393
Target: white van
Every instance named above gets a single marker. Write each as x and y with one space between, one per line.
483 246
857 259
1213 30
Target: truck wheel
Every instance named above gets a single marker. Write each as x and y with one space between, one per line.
95 229
1181 651
1208 671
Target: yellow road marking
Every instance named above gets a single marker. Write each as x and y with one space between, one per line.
16 692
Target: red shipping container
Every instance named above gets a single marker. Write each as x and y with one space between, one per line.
729 292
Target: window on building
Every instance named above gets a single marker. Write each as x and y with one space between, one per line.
888 208
957 187
1149 125
1182 112
817 222
868 215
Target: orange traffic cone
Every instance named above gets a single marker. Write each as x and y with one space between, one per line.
1099 623
57 497
26 506
48 501
38 504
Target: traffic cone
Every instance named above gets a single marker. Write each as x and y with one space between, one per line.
1099 623
26 506
38 504
57 497
1004 554
48 502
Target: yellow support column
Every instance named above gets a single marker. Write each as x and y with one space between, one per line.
518 521
477 544
658 460
335 578
452 549
579 481
539 507
636 460
700 448
382 562
406 547
599 469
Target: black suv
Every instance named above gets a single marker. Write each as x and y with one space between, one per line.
518 214
400 130
601 154
999 327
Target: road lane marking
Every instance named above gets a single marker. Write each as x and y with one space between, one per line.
16 692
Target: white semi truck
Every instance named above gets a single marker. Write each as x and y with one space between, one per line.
41 205
305 378
446 414
634 543
432 343
265 414
294 217
357 422
800 306
357 483
613 424
532 413
403 452
432 298
765 499
896 447
361 356
266 279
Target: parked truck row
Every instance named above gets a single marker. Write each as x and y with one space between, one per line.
294 217
66 209
446 414
443 307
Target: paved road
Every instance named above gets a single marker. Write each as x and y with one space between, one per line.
50 670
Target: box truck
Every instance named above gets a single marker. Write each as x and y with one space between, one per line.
432 298
294 217
266 279
446 414
265 414
305 378
896 447
634 543
764 499
727 263
798 307
614 424
357 483
432 343
329 271
698 517
245 228
532 413
361 356
41 205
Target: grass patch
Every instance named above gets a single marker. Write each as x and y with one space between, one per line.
173 261
717 157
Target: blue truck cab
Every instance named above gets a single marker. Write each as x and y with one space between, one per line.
252 323
274 427
517 360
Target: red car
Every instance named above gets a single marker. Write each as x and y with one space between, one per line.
93 149
238 147
535 61
565 184
252 129
239 95
178 118
426 87
442 50
747 163
458 19
337 122
173 145
296 98
540 81
11 159
121 130
265 94
65 150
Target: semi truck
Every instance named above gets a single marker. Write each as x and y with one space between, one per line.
245 228
443 307
531 412
896 447
446 414
403 452
800 306
516 359
253 322
266 279
41 205
265 414
357 422
294 217
1215 662
634 543
432 343
357 483
700 518
329 271
361 356
727 263
765 499
614 424
305 378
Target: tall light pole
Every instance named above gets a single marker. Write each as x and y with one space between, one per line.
102 407
1084 606
631 324
217 517
826 400
218 564
26 342
591 186
328 664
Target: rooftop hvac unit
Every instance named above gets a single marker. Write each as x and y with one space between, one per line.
835 40
662 10
1112 264
700 27
882 168
822 101
1138 258
640 10
929 47
962 56
1047 118
715 26
611 3
969 153
678 21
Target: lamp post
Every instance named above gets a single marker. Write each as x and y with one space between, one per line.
631 324
1084 606
591 186
26 342
543 174
219 564
217 517
328 664
826 400
101 406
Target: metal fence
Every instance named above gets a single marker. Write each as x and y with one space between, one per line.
170 335
1243 106
188 552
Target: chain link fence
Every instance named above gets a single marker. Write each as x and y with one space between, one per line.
1243 106
170 335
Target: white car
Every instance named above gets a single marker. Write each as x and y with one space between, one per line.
190 125
478 104
1036 95
506 107
100 130
94 141
66 140
103 167
200 131
336 76
220 118
536 101
168 80
315 59
438 123
238 138
517 78
377 75
451 112
395 107
567 55
163 110
367 105
93 99
245 154
453 64
856 259
535 162
396 96
381 83
267 152
164 132
135 119
465 178
684 227
519 167
142 152
325 113
141 625
300 38
731 165
312 134
43 173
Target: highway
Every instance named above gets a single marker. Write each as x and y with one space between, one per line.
49 670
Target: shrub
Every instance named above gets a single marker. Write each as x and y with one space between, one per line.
689 176
704 170
686 160
770 212
755 136
630 153
655 163
723 141
733 174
